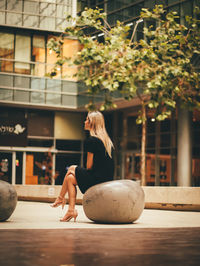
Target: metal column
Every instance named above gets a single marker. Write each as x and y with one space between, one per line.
184 156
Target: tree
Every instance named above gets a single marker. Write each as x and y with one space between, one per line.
157 69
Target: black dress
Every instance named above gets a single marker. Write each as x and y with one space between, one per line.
102 169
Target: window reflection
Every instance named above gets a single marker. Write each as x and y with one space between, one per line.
38 55
43 14
6 166
22 54
6 51
39 168
32 56
70 49
51 56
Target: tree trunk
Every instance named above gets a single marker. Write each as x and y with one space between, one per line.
143 147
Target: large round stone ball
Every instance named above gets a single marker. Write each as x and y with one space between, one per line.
119 201
8 200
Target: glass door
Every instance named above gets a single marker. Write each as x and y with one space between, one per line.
19 164
6 166
132 166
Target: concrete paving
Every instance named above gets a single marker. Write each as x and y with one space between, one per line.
36 215
34 236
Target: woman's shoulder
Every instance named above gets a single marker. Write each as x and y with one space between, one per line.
94 141
91 140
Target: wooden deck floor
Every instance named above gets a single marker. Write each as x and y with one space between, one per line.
100 247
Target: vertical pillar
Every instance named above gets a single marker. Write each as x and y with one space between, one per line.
184 153
24 169
124 144
157 154
53 169
74 9
172 148
13 167
115 142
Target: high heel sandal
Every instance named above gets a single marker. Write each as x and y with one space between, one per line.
69 215
59 201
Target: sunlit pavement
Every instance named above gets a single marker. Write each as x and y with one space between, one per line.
35 215
158 237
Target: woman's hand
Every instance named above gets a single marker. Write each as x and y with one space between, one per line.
90 160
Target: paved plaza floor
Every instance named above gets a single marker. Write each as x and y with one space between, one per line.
33 236
36 215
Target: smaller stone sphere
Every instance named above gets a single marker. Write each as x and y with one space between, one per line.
8 200
119 201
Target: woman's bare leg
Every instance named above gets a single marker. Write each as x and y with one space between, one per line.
72 192
61 198
64 188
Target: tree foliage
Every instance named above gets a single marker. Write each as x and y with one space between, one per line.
158 69
159 66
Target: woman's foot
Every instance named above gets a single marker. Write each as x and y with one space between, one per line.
69 215
59 201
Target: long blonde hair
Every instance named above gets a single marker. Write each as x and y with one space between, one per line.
98 130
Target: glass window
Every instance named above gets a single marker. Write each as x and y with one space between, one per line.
15 5
162 2
6 166
21 96
61 22
61 1
63 11
39 168
175 8
6 51
6 95
22 54
47 9
39 48
2 17
6 80
63 161
186 9
31 21
53 85
69 100
38 56
47 23
50 1
140 32
51 56
40 142
70 49
14 19
150 3
3 4
31 7
134 11
41 124
21 82
68 145
18 165
38 84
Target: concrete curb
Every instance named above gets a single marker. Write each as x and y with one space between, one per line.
169 198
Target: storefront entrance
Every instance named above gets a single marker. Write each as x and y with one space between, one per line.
6 166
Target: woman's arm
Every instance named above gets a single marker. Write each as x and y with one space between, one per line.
89 160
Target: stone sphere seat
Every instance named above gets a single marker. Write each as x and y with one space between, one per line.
8 200
118 201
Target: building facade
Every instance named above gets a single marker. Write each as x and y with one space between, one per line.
41 119
38 115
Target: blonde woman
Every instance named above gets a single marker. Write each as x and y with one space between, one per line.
99 166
